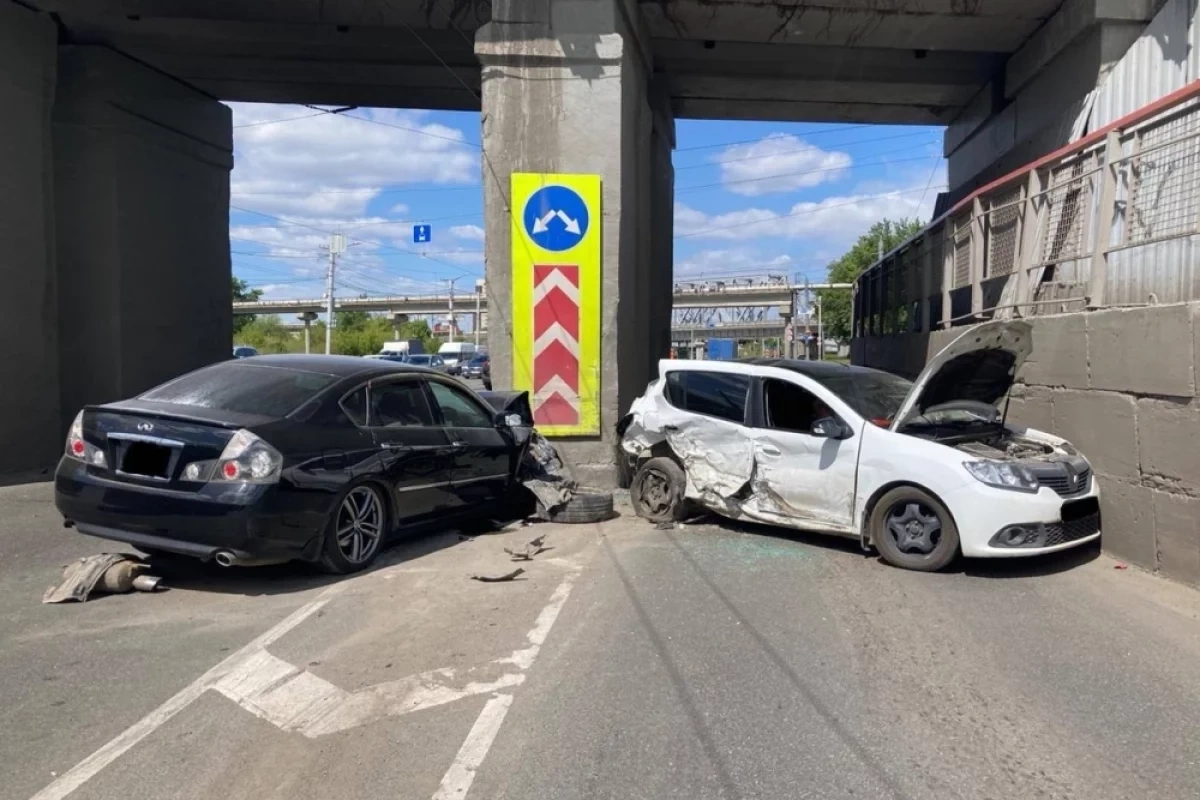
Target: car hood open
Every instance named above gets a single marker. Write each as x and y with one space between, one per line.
979 365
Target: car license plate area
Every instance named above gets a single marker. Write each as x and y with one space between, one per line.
146 460
1078 509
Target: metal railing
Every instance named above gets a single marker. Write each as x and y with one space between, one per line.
1107 220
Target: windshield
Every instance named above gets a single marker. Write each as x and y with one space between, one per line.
242 387
874 395
420 361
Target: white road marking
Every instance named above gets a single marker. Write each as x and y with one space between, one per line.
78 775
458 779
523 659
296 700
474 750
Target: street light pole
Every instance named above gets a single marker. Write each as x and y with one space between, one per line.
451 282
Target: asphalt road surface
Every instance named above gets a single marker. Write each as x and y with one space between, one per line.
628 662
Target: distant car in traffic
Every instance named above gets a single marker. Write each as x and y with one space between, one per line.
397 358
474 367
428 361
316 458
244 351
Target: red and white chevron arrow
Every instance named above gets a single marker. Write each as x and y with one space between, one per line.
556 345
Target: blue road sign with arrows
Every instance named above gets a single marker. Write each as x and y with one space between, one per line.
422 233
556 218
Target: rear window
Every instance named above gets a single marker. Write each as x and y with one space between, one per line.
714 394
243 388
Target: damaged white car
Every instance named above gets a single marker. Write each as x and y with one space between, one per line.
923 471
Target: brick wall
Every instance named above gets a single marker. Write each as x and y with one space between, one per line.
1120 384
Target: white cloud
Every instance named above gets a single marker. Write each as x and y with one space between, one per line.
472 233
333 165
724 263
779 163
833 219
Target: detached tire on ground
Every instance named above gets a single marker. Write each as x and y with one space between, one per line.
584 506
911 529
657 491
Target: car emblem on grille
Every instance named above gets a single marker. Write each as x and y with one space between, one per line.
145 427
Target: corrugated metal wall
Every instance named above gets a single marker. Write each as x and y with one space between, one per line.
1166 57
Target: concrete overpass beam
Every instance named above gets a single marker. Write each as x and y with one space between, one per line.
29 410
566 88
1039 100
141 168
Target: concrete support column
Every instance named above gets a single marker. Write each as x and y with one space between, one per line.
566 90
307 317
141 169
29 412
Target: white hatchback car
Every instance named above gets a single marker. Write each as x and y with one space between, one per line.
920 470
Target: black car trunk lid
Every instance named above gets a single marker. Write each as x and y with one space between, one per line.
151 443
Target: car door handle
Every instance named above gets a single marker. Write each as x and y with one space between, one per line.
459 445
394 446
771 451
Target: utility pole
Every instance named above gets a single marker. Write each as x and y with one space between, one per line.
451 282
337 245
820 332
478 299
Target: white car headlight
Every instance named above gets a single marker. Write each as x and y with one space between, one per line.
1002 475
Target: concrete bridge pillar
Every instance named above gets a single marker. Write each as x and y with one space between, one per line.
567 89
115 231
141 186
29 404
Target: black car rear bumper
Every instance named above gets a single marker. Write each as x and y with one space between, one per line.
244 522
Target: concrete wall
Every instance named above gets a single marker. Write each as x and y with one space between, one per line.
566 89
29 301
1121 385
142 187
114 226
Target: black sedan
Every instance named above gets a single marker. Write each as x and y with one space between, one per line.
263 460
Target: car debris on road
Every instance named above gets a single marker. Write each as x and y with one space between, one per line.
509 576
532 548
108 573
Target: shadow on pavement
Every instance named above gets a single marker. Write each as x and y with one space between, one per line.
181 572
1029 566
1022 567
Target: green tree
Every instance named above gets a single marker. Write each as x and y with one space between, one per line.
835 303
419 329
352 320
243 293
268 335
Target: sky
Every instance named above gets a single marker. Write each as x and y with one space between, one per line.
751 198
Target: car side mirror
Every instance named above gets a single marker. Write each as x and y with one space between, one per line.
831 428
